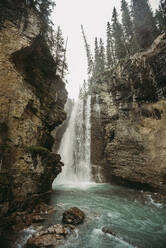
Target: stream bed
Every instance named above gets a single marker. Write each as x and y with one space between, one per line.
132 215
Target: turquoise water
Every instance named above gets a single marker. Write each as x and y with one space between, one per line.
133 216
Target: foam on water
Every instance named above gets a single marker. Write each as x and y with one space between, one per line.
23 237
69 185
113 215
120 241
156 204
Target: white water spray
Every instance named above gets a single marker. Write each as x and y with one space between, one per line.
75 146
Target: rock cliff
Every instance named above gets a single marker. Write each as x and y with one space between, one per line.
32 99
59 131
133 121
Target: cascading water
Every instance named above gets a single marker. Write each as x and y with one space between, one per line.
75 146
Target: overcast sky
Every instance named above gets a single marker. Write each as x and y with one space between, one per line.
94 15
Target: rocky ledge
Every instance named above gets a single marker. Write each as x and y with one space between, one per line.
55 234
51 237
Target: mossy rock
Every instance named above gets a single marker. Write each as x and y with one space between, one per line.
38 149
4 179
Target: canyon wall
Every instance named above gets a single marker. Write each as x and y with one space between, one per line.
59 131
32 99
133 121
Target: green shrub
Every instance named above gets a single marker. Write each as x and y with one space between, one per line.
37 149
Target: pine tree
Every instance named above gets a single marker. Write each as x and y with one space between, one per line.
84 88
44 7
128 28
126 20
144 23
59 52
99 60
127 25
163 7
96 51
88 52
120 50
64 64
96 59
80 93
101 56
160 16
110 50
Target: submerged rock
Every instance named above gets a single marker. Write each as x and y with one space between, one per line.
47 238
108 231
73 216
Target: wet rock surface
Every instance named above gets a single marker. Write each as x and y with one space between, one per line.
55 234
48 238
108 231
73 216
21 220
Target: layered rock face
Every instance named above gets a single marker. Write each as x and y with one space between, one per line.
133 120
32 100
59 131
98 159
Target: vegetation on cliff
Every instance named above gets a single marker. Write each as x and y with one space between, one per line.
137 30
128 83
17 12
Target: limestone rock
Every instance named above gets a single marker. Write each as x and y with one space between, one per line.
133 121
32 100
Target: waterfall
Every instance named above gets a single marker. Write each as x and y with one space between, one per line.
75 145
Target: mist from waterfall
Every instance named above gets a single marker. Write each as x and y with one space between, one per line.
75 146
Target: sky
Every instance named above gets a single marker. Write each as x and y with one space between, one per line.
93 15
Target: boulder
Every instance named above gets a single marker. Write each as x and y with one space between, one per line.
48 238
73 216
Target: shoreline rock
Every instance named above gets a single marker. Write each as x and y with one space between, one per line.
55 234
48 238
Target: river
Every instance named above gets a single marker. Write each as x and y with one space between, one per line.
132 215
